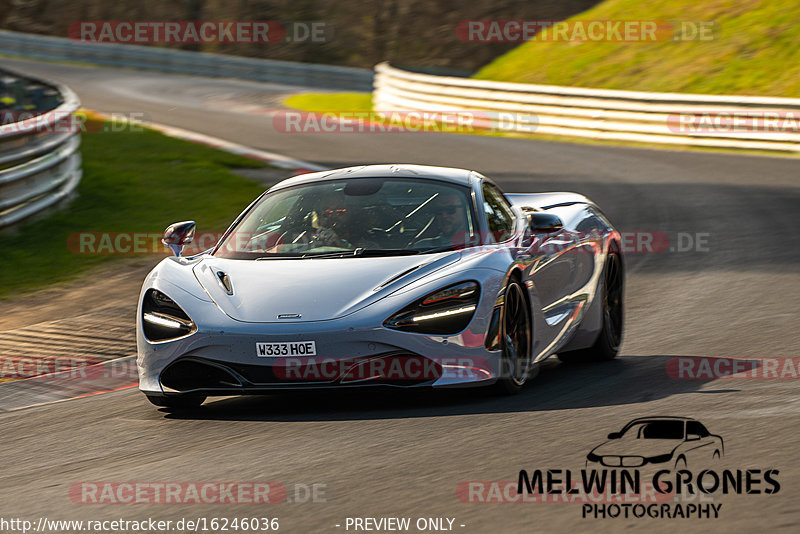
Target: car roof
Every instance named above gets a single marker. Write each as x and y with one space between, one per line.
661 418
444 174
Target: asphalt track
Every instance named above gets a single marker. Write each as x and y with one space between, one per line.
404 454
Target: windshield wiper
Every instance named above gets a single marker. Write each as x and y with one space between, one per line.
310 255
359 252
276 257
388 252
340 254
365 252
448 248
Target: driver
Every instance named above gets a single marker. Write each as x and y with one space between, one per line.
312 223
331 223
326 220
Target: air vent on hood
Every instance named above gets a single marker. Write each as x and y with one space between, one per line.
397 277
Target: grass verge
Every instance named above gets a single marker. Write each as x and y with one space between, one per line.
331 102
136 180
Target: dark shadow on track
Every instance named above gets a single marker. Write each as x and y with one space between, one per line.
626 380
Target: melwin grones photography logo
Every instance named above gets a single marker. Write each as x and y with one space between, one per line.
661 467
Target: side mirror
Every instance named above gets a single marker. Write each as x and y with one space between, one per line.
544 223
177 235
614 435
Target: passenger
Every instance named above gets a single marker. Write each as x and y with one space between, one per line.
449 226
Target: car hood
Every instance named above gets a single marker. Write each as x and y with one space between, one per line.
637 447
304 290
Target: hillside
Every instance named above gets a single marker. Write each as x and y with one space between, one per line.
414 33
755 49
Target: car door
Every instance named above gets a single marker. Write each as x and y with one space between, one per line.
502 232
559 266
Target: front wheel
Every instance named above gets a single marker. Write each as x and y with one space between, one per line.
516 341
177 403
606 347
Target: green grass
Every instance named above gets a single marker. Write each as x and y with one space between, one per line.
333 102
755 50
134 181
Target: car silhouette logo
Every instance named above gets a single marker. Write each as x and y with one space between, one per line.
668 442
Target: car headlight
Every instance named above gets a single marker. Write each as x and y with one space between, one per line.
660 459
446 311
163 319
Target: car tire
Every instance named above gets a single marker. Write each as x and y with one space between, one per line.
177 403
606 347
516 338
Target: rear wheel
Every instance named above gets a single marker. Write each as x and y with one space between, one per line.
177 403
607 345
516 341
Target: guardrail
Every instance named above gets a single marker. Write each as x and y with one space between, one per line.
730 122
185 62
39 160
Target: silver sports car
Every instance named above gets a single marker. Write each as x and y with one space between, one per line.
382 275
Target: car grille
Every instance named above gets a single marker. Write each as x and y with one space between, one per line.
191 373
188 374
622 461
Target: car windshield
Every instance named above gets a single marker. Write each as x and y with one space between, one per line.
355 217
655 430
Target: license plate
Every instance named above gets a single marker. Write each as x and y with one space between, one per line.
287 348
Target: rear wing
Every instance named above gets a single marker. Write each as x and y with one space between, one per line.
545 201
